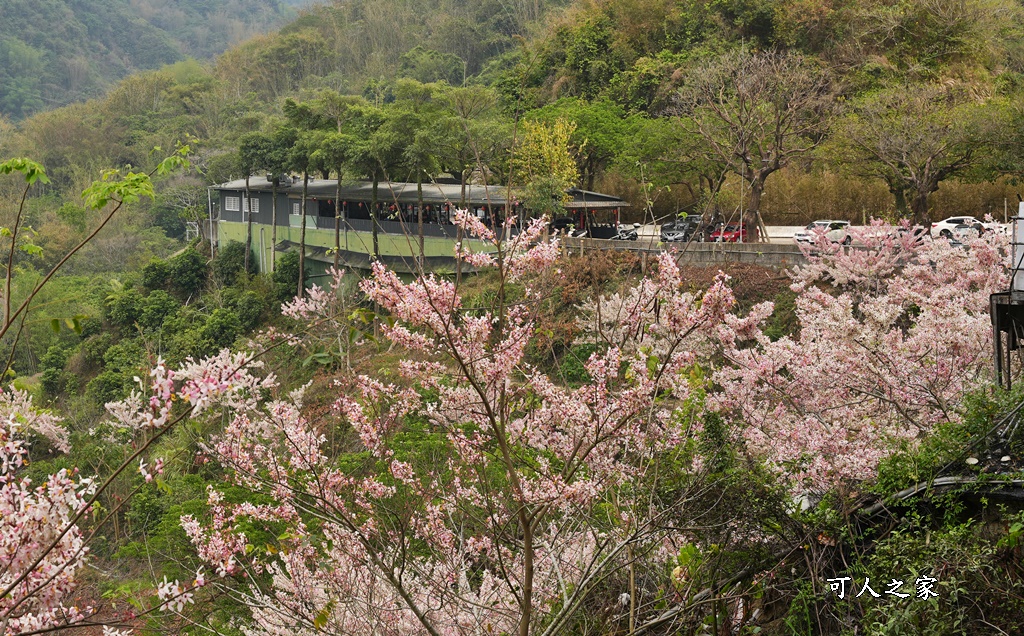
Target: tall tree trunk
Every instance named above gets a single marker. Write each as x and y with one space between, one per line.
900 195
376 246
302 235
419 215
373 217
526 608
919 205
247 209
753 214
273 228
337 223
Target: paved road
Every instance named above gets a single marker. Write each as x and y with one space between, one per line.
779 234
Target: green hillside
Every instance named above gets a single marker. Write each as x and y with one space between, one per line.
679 450
53 52
627 73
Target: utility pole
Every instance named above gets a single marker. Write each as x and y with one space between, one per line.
209 204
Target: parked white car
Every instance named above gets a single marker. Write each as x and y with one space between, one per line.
945 227
964 232
834 230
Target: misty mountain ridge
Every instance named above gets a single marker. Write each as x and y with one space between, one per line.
55 52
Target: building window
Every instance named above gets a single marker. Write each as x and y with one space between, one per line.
255 206
296 207
232 204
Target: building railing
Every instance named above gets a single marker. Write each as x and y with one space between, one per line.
411 228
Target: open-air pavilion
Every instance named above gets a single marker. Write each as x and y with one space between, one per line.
344 214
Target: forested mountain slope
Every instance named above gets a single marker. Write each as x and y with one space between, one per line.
628 50
53 52
618 69
687 461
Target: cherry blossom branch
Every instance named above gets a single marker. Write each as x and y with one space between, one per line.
9 274
81 512
87 505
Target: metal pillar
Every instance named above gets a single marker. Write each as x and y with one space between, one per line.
1006 309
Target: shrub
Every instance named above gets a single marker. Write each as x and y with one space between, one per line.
156 309
286 276
221 330
156 274
90 326
188 272
94 347
52 379
969 575
126 356
196 335
248 306
230 261
572 370
106 387
121 363
124 308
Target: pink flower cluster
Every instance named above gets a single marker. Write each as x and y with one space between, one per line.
884 357
561 452
394 544
516 255
318 301
40 551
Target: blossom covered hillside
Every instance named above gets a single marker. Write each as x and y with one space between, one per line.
892 337
468 488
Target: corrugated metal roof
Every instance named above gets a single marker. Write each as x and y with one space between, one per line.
386 191
404 192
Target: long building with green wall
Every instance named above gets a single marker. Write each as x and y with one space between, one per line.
343 215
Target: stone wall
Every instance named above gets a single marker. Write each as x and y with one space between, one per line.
766 254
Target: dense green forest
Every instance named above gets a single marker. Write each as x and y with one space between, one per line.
629 75
427 87
792 109
56 52
917 103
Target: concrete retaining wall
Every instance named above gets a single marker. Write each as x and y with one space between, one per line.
766 254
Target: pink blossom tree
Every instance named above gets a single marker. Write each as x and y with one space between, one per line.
40 551
43 546
892 333
43 543
519 499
